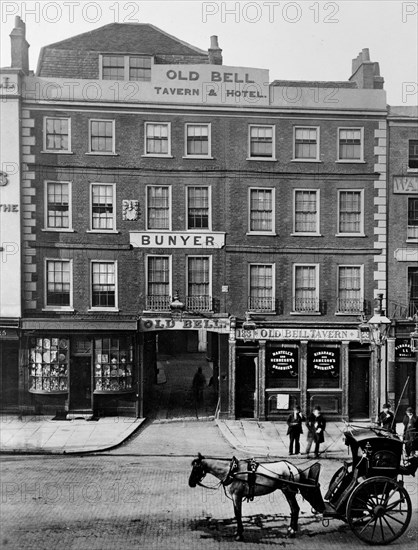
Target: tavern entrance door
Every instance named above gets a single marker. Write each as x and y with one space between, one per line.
245 386
358 393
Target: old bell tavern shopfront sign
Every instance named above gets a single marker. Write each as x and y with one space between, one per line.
336 335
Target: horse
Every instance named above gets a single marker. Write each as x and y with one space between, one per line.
249 479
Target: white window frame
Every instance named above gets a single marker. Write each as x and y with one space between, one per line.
170 215
361 299
209 187
273 278
57 151
91 230
68 229
408 238
209 256
318 144
209 154
55 307
126 59
361 232
317 232
158 155
295 266
273 213
170 267
351 161
273 144
103 153
103 308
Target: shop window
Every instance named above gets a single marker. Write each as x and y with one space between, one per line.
198 207
113 365
198 140
198 283
350 212
261 210
158 283
306 285
412 233
102 136
158 207
261 142
282 367
58 284
323 367
261 288
413 154
57 135
157 139
350 292
306 143
306 218
350 144
57 205
48 365
102 207
103 285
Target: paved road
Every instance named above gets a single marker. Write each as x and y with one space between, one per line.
137 497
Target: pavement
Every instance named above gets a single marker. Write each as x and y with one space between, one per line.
42 434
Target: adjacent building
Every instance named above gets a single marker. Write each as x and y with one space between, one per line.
169 203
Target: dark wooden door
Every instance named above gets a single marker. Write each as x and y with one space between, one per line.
80 383
245 386
358 394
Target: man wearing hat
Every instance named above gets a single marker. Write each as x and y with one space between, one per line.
386 418
410 432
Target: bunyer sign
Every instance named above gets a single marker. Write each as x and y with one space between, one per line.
175 239
302 334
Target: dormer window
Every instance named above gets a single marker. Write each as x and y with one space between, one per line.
125 67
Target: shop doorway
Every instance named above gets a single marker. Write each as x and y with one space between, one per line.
245 386
80 384
9 375
358 395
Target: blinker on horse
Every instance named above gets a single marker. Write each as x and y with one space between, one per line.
249 479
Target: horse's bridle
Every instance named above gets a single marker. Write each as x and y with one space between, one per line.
228 479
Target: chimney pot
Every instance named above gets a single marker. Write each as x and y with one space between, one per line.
214 43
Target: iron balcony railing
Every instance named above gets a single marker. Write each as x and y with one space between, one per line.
350 305
261 304
199 303
306 305
399 311
158 303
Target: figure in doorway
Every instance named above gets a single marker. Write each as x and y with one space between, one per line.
386 418
316 425
198 385
410 435
294 430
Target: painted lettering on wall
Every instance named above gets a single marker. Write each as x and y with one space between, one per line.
151 239
9 208
405 184
216 325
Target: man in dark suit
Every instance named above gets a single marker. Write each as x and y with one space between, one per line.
294 421
316 425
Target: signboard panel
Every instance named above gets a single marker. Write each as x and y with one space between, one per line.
168 323
405 184
176 239
301 334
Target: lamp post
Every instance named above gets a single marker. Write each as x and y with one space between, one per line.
377 328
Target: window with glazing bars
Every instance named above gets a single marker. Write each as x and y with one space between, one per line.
58 283
140 68
156 139
412 218
197 208
102 207
261 210
306 143
349 289
57 134
306 292
113 67
261 287
58 205
197 139
350 144
158 205
159 276
413 291
350 214
101 136
306 211
103 284
198 276
413 153
261 141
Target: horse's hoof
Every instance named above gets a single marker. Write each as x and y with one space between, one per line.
239 537
291 533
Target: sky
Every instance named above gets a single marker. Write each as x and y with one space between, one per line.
302 40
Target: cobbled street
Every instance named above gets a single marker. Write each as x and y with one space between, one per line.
137 497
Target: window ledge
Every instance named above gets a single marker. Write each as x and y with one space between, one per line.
342 161
57 152
55 308
158 156
350 235
306 313
411 241
412 170
101 154
307 160
200 157
110 309
261 233
264 159
343 313
302 234
52 230
107 231
262 312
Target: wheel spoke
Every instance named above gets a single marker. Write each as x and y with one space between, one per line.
393 505
395 519
381 528
388 524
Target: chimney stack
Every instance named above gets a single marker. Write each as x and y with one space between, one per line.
365 72
20 48
215 52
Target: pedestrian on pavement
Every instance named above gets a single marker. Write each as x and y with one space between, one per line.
410 436
198 385
294 422
316 425
386 418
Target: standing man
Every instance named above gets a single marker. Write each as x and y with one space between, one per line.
316 427
294 421
410 435
198 385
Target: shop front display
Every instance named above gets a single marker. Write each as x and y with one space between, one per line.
113 365
48 365
324 378
282 378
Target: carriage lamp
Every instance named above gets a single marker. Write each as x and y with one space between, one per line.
176 306
248 328
414 336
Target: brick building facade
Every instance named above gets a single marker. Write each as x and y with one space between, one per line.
169 202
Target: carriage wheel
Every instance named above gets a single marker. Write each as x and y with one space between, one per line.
379 510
